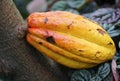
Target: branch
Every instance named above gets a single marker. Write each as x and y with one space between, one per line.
15 54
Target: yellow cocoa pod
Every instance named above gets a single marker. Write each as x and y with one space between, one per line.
70 39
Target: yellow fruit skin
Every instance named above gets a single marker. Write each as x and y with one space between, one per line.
57 54
70 39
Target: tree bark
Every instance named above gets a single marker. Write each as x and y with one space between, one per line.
16 56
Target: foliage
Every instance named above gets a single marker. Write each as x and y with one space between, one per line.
61 5
91 74
21 5
111 29
106 15
75 6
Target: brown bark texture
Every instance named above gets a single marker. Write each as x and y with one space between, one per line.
17 57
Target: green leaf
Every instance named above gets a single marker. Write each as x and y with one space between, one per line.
81 75
78 4
72 11
111 29
114 33
60 5
96 78
104 70
88 8
21 5
98 73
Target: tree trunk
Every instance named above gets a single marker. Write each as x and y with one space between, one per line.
17 58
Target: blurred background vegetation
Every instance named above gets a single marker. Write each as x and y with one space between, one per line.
105 12
75 6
